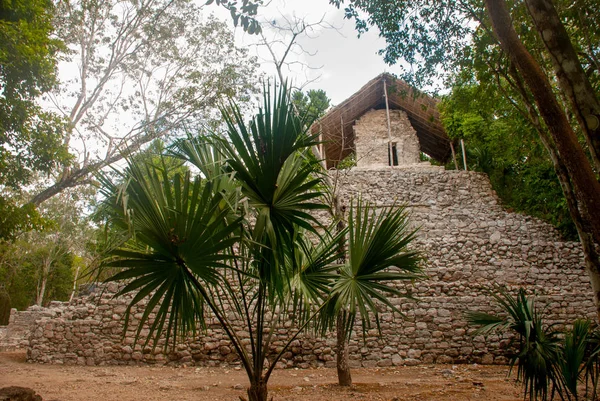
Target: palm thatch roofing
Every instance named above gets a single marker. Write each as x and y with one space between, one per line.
336 126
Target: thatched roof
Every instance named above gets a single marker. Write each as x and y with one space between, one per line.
337 125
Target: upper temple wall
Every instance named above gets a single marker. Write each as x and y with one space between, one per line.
372 139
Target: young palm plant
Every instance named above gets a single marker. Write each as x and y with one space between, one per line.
378 259
237 241
539 353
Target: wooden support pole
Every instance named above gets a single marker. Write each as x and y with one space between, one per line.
454 156
343 144
389 125
321 147
462 145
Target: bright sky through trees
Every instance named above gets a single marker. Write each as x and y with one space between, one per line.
347 62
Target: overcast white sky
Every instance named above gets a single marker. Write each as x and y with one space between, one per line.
346 62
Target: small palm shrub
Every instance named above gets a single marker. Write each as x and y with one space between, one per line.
548 362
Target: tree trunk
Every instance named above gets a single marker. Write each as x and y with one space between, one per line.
343 367
591 250
41 290
575 173
572 79
258 391
74 289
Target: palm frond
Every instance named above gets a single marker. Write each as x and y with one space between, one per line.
314 270
281 184
379 257
574 354
179 241
539 353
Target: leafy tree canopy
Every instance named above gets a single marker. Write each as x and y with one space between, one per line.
312 104
502 144
31 140
439 38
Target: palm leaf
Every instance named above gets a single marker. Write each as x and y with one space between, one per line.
378 258
314 270
179 242
268 157
539 354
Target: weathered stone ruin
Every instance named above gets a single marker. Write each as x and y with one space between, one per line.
470 243
16 334
376 148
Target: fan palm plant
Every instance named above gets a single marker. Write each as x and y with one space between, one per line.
538 346
579 362
238 240
379 258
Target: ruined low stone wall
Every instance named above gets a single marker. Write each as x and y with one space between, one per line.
470 244
20 325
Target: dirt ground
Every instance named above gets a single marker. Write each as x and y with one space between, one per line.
108 383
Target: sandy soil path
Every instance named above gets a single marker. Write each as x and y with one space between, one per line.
118 383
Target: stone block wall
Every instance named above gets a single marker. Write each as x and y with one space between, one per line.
16 334
372 140
470 244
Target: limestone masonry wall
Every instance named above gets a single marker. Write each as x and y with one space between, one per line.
371 139
16 334
470 244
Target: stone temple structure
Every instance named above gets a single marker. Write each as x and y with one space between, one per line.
470 244
374 147
385 123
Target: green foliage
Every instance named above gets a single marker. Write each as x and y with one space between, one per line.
377 242
348 162
439 39
31 140
20 270
40 264
545 364
501 143
430 36
243 13
60 280
312 104
155 156
15 219
538 350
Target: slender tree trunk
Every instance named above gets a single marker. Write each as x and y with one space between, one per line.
39 298
74 289
343 366
41 288
258 391
575 173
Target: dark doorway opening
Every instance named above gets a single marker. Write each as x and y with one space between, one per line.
393 154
